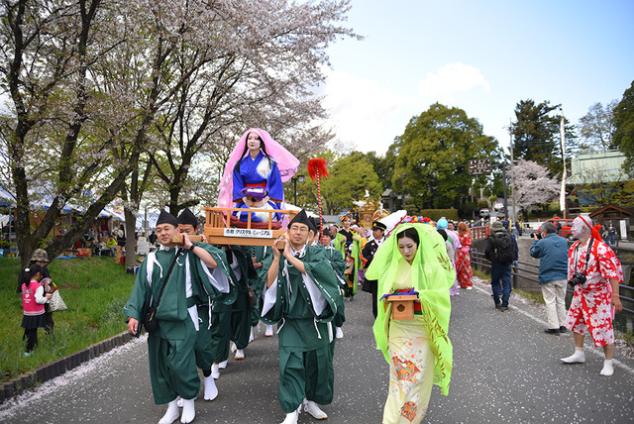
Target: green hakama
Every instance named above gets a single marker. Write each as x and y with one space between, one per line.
171 348
220 280
243 275
303 305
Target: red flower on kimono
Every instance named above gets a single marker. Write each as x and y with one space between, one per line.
408 410
405 370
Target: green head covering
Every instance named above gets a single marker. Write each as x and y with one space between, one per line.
432 276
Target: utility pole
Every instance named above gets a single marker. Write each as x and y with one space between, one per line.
513 205
562 139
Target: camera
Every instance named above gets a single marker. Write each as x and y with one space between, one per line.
577 279
537 235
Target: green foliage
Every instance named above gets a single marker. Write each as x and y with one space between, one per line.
95 290
349 177
432 156
624 128
436 214
536 134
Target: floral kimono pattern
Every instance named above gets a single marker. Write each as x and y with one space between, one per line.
463 262
591 309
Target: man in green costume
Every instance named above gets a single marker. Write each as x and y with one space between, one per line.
219 276
243 274
301 296
260 255
338 265
171 354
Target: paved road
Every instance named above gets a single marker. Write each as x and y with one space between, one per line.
506 371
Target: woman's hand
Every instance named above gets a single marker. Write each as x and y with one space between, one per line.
616 301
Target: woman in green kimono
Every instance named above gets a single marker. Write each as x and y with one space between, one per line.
414 261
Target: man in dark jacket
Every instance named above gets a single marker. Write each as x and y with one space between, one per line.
552 251
378 231
501 250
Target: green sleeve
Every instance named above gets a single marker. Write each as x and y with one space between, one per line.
318 268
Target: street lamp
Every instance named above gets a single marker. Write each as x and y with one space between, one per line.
296 178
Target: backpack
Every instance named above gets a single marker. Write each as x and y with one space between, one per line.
503 251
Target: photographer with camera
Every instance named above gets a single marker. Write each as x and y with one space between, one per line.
595 273
552 251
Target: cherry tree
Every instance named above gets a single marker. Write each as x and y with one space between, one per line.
532 184
104 92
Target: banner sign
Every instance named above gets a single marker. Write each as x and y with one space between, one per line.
248 232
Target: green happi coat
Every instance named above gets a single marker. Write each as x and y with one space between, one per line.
220 278
171 348
303 305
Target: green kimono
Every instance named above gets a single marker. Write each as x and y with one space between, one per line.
224 291
221 318
171 348
304 305
340 245
260 254
243 274
355 251
338 265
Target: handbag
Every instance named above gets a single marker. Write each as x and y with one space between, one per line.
149 321
56 303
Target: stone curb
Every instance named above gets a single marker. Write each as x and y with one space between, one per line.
55 369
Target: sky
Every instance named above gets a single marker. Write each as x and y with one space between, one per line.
482 56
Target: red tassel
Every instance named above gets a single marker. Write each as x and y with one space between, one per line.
317 168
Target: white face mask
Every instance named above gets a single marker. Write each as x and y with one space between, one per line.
579 228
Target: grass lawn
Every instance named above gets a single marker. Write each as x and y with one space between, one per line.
94 289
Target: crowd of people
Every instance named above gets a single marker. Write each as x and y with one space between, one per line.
200 303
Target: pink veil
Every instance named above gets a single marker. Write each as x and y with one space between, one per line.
286 163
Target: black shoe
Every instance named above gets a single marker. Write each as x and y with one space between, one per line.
504 308
551 331
563 329
498 306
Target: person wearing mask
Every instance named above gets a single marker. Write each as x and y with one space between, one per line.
552 252
595 273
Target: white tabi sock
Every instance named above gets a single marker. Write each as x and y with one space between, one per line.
576 358
239 355
179 401
608 368
269 331
211 391
313 409
223 364
291 418
339 333
252 335
215 371
189 412
232 347
171 414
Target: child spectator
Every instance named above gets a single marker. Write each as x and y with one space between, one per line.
33 300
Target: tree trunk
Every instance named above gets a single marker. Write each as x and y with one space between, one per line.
130 241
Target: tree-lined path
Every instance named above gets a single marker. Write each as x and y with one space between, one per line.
506 370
